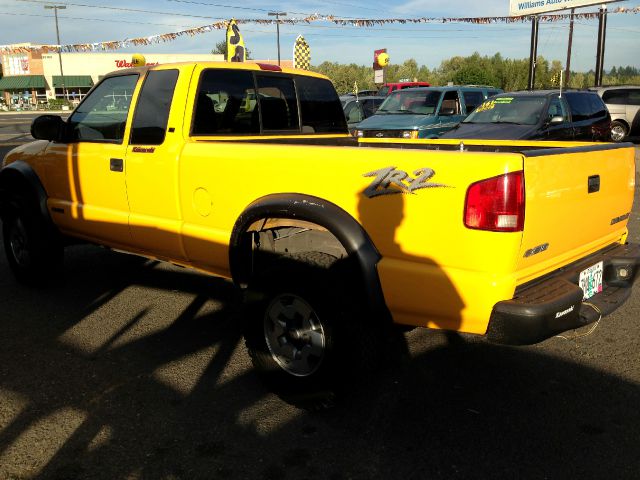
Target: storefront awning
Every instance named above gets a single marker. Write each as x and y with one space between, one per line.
71 81
22 82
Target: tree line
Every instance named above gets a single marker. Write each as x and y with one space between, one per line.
508 74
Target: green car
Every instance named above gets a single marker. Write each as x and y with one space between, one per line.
423 112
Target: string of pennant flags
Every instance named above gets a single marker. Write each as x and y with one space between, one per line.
363 22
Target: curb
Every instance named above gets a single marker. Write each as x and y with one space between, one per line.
31 112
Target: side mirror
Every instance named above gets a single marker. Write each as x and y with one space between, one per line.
447 111
48 127
557 120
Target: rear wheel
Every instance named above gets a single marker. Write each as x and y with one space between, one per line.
33 251
619 131
304 337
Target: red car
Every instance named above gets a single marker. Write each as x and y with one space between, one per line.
387 88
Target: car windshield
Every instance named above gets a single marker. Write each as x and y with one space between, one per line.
421 102
524 110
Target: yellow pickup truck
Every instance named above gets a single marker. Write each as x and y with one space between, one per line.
248 172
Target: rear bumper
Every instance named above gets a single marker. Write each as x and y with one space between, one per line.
553 304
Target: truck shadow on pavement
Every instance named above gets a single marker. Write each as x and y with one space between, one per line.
95 386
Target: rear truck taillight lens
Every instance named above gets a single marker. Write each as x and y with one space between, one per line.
496 204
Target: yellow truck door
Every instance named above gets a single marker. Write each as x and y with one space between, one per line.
85 176
152 162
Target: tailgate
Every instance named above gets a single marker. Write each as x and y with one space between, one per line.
578 200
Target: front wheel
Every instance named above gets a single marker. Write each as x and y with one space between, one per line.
303 335
34 253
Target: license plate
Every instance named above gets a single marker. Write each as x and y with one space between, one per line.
591 280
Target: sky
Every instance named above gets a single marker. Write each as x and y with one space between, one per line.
84 21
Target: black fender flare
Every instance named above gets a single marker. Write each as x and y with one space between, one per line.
338 222
20 171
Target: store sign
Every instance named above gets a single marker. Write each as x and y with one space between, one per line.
529 7
16 64
126 64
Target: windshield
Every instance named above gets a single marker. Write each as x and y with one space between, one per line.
524 110
421 102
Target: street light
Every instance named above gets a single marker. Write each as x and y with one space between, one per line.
55 9
278 15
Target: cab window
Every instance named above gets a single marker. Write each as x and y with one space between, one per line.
450 103
580 106
472 100
369 107
102 116
320 108
277 103
225 103
353 113
557 109
152 111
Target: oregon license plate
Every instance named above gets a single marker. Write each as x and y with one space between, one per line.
591 280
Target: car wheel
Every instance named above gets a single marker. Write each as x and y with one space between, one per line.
33 252
305 339
619 131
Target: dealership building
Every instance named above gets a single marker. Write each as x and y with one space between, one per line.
31 77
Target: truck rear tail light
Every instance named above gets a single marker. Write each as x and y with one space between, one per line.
496 204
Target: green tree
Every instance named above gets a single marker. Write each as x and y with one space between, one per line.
506 73
345 76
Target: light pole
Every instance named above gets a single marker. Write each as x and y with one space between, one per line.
55 11
278 15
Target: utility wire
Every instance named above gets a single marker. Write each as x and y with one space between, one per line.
266 10
383 28
96 19
122 9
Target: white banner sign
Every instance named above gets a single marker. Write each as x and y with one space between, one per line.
529 7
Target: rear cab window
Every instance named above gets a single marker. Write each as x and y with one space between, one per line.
225 103
278 109
320 109
245 102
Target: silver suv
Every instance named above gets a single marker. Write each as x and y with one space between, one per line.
623 103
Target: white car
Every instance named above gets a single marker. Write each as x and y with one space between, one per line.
623 103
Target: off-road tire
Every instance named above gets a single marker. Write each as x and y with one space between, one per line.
314 280
33 249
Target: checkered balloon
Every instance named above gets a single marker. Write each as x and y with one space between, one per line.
301 54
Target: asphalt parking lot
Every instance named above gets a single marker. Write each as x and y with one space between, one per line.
131 369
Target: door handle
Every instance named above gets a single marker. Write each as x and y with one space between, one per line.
116 165
594 183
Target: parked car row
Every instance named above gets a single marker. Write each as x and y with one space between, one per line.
597 114
423 112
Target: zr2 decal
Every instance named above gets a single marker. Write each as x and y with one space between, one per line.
391 180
